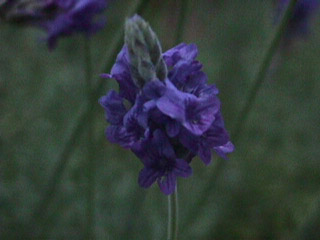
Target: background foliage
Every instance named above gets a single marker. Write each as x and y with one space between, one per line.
270 186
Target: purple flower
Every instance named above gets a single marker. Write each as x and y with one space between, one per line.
167 123
160 163
165 111
194 113
125 129
57 17
73 16
299 22
216 137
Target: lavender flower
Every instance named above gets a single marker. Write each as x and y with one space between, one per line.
161 163
165 111
57 17
299 22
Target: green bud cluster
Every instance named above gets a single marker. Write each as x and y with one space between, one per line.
146 62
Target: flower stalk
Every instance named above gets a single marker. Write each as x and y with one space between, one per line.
173 210
182 21
90 169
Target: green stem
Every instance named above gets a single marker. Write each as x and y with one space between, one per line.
182 21
309 228
263 70
77 129
173 216
88 67
90 169
260 76
55 179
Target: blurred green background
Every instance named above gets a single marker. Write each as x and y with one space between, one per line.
270 188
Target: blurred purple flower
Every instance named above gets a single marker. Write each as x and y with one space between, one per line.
57 17
166 123
299 23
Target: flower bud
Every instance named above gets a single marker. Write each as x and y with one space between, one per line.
145 53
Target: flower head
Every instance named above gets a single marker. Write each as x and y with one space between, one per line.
166 113
57 17
299 22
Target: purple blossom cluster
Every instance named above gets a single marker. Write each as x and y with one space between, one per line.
73 16
166 123
57 17
299 22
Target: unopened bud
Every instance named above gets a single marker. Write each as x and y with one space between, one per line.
146 62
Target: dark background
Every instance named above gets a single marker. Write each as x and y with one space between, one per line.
269 188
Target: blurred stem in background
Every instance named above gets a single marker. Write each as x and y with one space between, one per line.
220 164
90 167
173 215
182 21
41 211
263 70
309 229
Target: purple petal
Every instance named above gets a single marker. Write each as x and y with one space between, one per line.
167 183
113 105
223 150
172 106
121 136
200 113
154 89
193 113
161 142
189 140
205 155
181 73
180 52
147 177
121 72
207 91
149 105
172 103
72 16
216 135
106 75
194 82
172 128
136 117
182 168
